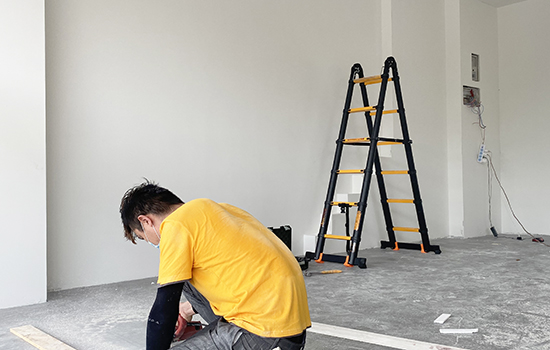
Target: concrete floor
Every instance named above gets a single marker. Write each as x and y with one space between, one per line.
498 285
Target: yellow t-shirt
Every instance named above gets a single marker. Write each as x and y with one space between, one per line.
246 272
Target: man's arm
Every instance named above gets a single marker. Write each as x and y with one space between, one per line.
163 317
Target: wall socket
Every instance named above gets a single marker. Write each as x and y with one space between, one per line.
481 153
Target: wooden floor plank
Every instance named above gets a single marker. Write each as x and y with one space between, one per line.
39 339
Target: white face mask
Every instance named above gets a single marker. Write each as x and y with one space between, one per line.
154 245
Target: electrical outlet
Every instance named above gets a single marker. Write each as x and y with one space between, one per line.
481 154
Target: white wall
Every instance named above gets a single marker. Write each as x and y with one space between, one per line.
524 52
241 103
478 34
236 101
453 88
470 27
420 54
22 153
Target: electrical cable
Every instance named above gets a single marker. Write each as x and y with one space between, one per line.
490 193
490 162
477 108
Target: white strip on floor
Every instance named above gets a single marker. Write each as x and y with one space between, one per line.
374 338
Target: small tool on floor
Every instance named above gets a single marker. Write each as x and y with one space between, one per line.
326 272
185 330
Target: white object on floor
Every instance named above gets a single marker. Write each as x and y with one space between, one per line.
374 338
458 331
442 318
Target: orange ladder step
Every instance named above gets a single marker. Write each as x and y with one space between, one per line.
389 111
400 200
351 204
362 109
366 140
344 238
351 171
394 172
375 79
406 229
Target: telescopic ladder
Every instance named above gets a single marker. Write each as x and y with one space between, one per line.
373 162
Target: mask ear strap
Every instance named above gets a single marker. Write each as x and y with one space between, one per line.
143 230
158 235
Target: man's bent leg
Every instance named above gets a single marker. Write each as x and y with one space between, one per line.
200 304
222 335
250 341
218 335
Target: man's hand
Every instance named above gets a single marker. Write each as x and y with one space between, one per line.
186 311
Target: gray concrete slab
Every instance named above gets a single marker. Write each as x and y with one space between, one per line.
498 285
106 317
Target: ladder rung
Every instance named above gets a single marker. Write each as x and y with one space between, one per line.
389 111
406 229
367 140
351 171
394 172
375 79
344 238
351 204
358 140
400 200
392 140
362 109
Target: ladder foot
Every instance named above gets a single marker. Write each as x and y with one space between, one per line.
362 263
388 244
347 262
434 248
320 260
413 246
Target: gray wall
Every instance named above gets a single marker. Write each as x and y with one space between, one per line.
22 153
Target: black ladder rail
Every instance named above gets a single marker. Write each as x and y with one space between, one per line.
407 143
379 177
373 153
356 70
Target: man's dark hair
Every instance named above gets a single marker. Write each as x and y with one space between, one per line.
146 198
